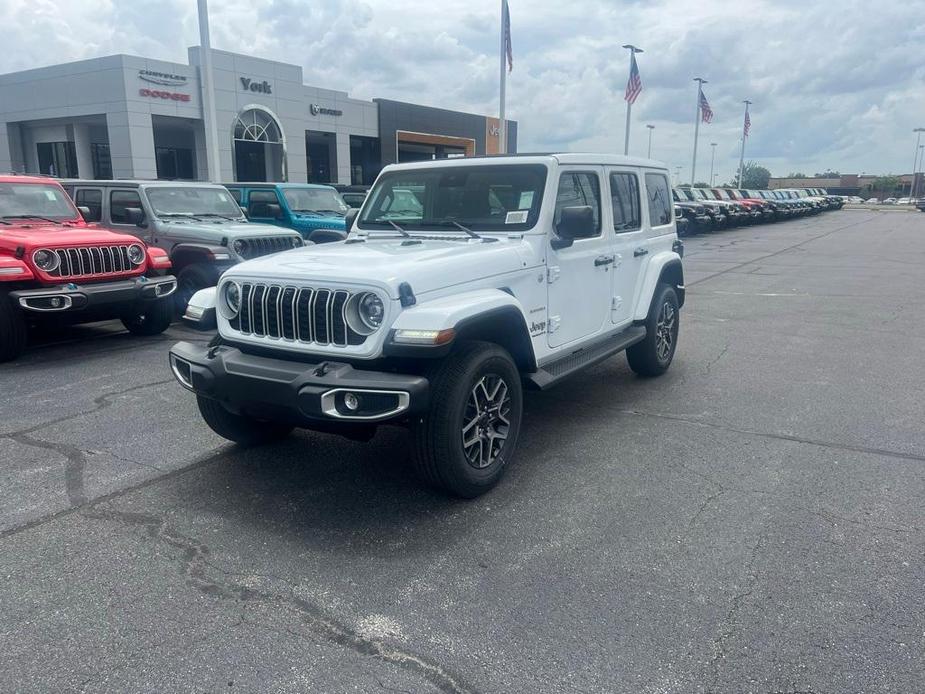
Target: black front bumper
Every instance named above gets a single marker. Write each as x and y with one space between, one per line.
304 394
106 297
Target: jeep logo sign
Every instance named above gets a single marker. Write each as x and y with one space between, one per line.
248 85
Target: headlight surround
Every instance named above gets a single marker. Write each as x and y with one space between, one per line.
296 241
46 260
230 299
239 246
136 254
365 313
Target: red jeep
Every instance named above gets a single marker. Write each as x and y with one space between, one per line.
55 268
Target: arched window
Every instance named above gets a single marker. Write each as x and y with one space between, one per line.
254 125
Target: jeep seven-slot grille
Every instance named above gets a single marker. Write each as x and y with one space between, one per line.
264 245
86 261
300 314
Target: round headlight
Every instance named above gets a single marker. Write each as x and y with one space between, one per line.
136 254
296 241
231 293
45 260
371 310
239 246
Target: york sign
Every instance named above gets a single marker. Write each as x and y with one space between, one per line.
249 85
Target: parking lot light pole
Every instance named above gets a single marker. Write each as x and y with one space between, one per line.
700 82
651 128
712 161
629 104
915 164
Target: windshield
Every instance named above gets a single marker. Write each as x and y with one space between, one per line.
36 200
193 202
735 195
685 194
481 198
753 194
699 194
721 194
317 200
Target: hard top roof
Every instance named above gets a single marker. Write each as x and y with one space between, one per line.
546 158
134 183
280 184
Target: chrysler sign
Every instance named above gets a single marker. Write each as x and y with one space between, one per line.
164 78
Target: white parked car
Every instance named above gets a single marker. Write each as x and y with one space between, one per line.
889 201
508 272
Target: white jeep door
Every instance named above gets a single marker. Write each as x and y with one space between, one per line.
629 243
579 277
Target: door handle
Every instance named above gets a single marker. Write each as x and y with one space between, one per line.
640 252
603 260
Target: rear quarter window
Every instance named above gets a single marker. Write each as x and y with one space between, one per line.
658 194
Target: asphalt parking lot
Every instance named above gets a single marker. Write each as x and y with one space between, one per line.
750 522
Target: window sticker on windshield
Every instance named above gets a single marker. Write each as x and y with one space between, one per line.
50 194
526 200
516 217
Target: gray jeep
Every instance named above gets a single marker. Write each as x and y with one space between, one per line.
200 226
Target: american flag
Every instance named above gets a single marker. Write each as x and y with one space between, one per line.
705 111
634 84
748 123
508 48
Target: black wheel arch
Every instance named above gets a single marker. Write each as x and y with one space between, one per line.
673 273
184 254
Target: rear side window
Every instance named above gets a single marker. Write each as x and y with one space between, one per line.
624 195
119 201
577 189
93 201
659 196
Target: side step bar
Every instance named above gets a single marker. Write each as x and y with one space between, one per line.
553 372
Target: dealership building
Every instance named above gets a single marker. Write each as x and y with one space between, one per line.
123 116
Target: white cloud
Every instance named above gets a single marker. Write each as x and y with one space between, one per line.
835 85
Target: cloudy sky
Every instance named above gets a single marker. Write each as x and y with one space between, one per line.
836 84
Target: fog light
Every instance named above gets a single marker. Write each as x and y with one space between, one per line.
56 302
351 402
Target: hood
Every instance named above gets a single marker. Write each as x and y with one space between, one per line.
51 236
429 265
233 230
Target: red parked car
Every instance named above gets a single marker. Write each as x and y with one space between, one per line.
57 269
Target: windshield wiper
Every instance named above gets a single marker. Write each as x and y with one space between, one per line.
30 216
398 229
463 228
216 214
316 213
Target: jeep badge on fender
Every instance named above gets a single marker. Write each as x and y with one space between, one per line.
462 282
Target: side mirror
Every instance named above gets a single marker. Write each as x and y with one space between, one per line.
274 210
135 215
244 212
84 211
575 223
350 218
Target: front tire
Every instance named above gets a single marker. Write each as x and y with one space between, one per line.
153 321
190 280
466 440
654 354
12 330
241 429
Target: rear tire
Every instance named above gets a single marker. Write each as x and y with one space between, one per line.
463 444
654 354
155 320
190 280
12 330
246 431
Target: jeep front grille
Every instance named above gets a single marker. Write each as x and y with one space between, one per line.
300 314
265 245
86 261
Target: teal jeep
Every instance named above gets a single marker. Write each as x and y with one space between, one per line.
315 211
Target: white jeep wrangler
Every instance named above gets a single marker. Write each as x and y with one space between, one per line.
462 282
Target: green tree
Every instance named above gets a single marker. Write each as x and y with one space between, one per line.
797 175
755 176
828 174
886 184
701 184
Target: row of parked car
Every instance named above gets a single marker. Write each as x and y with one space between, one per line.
79 251
700 210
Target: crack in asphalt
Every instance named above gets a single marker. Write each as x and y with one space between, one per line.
194 567
75 457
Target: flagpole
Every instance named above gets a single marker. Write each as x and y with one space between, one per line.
629 105
744 136
502 127
700 82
